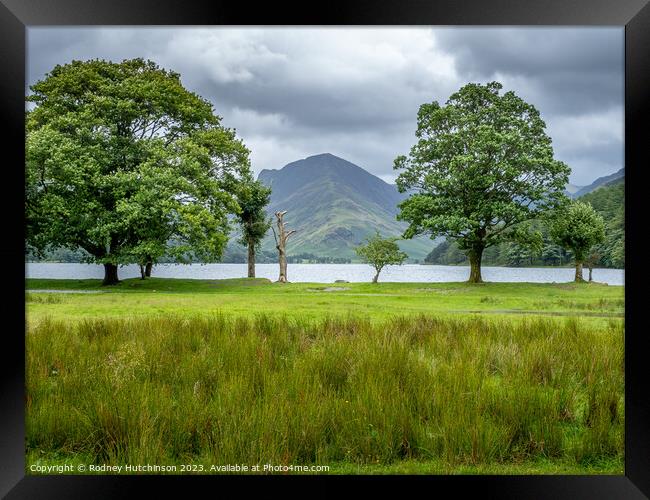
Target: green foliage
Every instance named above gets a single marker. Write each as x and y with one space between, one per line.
446 253
578 228
609 202
380 252
505 254
125 163
482 165
310 258
58 255
253 197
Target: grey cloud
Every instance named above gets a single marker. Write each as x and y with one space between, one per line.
355 92
535 49
575 68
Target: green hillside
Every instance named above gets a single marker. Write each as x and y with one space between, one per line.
600 182
334 204
608 199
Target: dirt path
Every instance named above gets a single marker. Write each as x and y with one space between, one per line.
543 313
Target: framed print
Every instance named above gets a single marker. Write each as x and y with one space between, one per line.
379 244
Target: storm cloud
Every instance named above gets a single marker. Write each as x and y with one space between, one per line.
355 92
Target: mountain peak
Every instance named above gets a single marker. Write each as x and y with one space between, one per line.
323 160
334 204
319 168
323 155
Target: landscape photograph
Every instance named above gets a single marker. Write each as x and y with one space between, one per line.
324 250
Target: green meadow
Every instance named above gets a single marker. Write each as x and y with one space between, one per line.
391 378
381 301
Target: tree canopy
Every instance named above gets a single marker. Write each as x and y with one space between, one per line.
380 252
578 227
125 163
482 166
253 197
609 202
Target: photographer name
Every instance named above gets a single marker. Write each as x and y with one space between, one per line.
132 468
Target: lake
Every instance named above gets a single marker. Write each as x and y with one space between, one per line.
328 273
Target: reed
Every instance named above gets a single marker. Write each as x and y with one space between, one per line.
339 389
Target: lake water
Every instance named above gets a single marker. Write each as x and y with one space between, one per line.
328 273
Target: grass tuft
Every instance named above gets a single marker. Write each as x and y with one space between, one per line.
463 392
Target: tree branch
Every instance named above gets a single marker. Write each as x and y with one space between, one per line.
274 236
289 234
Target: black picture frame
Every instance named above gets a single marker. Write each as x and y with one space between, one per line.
634 15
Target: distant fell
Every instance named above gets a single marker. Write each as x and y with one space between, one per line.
618 176
570 189
334 204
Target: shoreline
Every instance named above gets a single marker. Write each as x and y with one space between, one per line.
483 266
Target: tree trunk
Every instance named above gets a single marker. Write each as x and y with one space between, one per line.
142 273
110 275
147 269
591 268
374 280
251 259
475 256
579 271
283 264
281 238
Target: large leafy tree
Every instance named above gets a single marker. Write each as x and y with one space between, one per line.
253 197
125 163
380 252
482 166
578 227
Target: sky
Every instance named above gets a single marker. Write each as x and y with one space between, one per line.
355 92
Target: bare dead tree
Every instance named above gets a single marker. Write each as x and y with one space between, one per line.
281 238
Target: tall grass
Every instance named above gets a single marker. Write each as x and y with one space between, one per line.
291 391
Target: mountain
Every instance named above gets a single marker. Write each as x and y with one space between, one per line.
601 181
333 205
570 189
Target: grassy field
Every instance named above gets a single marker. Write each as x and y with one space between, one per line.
396 378
243 297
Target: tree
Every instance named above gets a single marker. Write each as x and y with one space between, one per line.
253 197
281 238
125 163
380 252
552 254
519 256
482 166
578 228
609 202
593 256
